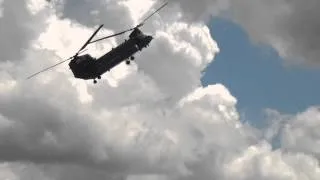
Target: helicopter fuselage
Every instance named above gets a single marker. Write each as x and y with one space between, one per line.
86 67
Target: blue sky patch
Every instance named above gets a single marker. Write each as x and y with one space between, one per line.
256 76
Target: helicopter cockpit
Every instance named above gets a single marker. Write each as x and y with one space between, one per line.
82 66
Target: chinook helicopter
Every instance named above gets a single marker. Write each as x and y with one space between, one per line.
87 67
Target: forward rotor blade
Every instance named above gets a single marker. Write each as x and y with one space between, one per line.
48 68
88 41
116 34
152 14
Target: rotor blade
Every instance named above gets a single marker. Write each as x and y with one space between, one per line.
82 51
48 68
151 14
106 37
88 41
111 35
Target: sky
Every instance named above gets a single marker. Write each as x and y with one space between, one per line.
257 75
154 119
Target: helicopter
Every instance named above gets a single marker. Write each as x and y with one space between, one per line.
87 67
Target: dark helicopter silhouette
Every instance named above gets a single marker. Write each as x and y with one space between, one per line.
87 67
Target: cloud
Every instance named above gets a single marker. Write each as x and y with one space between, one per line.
18 28
151 120
289 26
260 162
1 8
54 126
299 133
194 11
90 13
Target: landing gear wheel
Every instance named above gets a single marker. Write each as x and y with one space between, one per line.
99 77
132 58
94 81
128 62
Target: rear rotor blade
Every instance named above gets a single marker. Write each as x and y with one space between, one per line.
106 37
88 41
141 24
116 34
49 68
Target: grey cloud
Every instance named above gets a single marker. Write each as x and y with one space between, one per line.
28 138
50 133
30 171
18 28
112 14
291 27
74 172
301 28
300 132
197 11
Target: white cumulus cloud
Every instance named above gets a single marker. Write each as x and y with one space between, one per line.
151 120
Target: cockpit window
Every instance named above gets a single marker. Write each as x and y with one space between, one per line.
83 58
